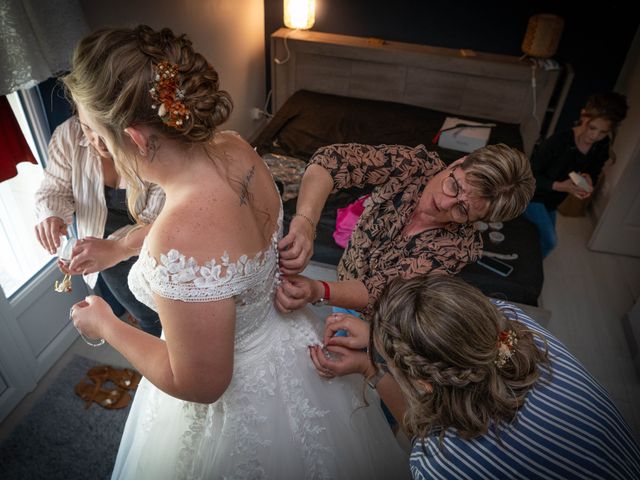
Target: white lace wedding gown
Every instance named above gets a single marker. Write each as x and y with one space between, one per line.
278 419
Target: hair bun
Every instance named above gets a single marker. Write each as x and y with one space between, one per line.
223 107
210 107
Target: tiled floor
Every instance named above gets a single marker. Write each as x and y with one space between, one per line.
587 293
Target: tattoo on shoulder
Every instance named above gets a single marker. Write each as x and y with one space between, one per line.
245 195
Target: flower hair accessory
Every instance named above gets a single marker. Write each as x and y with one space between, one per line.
168 96
507 340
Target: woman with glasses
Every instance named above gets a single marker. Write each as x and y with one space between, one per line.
418 219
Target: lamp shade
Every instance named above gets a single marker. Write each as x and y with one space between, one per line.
543 35
299 13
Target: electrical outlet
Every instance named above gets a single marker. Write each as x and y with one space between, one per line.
256 113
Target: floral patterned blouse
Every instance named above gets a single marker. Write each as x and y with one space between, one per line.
378 251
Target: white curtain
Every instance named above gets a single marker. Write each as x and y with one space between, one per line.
38 38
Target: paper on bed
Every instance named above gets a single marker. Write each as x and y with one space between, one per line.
459 134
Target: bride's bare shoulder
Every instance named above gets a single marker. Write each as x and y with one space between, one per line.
193 231
217 215
206 229
230 139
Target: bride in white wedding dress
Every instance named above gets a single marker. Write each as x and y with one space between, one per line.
229 390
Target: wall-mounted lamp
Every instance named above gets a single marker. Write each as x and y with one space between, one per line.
543 35
300 14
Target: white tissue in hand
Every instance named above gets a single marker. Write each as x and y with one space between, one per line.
580 181
66 246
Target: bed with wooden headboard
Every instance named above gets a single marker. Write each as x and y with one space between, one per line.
330 88
460 82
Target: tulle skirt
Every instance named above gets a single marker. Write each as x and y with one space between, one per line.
277 420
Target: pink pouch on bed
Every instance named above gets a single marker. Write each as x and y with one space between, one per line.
346 220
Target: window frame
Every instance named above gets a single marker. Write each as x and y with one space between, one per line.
33 108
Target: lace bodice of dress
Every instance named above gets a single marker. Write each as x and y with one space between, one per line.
277 418
251 280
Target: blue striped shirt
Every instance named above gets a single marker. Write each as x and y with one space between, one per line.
567 428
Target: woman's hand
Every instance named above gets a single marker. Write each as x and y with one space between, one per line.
587 177
340 361
91 255
90 315
296 291
49 231
571 188
296 248
64 267
357 331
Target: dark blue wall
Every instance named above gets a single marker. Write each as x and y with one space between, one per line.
56 106
595 38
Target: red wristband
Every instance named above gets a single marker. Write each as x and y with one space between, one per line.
327 290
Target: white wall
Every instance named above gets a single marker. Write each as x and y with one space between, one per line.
229 33
618 206
626 142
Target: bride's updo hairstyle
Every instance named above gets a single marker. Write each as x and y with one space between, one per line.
112 74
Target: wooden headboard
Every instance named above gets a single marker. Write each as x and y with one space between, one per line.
460 82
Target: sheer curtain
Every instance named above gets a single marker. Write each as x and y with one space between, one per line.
38 38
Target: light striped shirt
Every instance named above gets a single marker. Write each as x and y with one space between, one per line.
567 428
74 184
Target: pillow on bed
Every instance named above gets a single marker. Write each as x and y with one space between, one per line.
287 173
310 120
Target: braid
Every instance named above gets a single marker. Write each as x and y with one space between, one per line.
441 331
208 106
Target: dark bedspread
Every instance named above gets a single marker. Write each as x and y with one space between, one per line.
309 120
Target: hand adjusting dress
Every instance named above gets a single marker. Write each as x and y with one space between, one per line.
278 419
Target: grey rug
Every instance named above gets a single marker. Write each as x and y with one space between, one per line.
59 439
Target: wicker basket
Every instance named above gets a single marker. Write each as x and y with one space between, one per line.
543 35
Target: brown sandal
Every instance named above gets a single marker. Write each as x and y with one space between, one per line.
93 392
122 377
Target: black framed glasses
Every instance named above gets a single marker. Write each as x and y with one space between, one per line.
451 188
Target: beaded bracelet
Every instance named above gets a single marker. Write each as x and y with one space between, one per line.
315 234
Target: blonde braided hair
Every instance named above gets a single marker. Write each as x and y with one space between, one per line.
440 330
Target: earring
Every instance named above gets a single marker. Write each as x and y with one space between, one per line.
142 152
